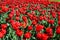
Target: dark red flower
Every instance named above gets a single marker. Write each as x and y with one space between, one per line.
27 35
17 13
17 18
30 27
1 35
44 36
10 15
41 18
23 10
34 22
19 32
30 16
53 14
11 21
4 26
43 12
4 9
51 21
58 17
3 31
58 22
49 31
35 18
58 30
45 18
15 25
24 18
39 27
39 35
59 13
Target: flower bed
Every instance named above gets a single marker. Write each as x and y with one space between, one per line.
29 20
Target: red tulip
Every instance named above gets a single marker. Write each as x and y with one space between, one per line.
17 13
19 33
44 36
27 35
30 27
4 26
39 27
1 35
3 31
41 18
51 21
24 18
17 18
39 35
34 22
58 30
58 22
49 31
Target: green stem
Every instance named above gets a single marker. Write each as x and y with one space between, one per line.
22 34
0 38
27 39
22 37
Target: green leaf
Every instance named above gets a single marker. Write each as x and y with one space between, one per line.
33 38
28 10
5 15
56 22
21 18
29 22
45 23
37 13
